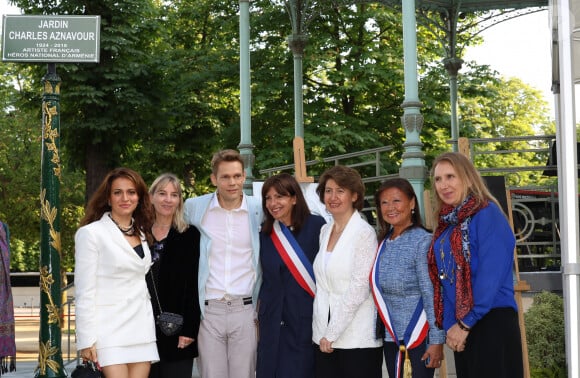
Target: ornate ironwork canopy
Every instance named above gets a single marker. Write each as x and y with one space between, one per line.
478 5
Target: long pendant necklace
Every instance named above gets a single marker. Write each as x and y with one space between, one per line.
129 231
447 271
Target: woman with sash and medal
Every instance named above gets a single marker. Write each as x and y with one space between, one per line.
401 286
288 246
344 315
471 261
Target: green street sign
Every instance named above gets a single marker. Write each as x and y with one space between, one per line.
51 39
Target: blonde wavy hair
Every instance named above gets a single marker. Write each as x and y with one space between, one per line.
161 182
473 184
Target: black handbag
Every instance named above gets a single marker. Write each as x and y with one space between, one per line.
169 323
87 370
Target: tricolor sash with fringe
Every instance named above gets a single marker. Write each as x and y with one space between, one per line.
294 258
416 329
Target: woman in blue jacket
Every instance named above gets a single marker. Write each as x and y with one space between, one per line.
288 246
471 266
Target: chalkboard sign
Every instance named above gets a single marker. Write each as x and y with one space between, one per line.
496 185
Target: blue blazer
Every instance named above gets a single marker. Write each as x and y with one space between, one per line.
285 310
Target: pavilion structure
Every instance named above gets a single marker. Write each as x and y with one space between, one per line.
565 25
566 56
301 12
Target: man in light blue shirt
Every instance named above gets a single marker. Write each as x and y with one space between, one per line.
229 272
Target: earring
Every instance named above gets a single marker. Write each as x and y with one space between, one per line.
412 211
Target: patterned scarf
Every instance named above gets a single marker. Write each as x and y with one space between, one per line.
459 217
7 336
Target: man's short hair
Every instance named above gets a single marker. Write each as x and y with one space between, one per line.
225 156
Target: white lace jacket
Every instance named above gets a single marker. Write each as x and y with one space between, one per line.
342 288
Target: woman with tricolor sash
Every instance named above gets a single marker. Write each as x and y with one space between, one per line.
471 261
344 317
288 246
401 286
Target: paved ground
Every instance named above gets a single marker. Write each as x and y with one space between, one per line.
27 334
27 331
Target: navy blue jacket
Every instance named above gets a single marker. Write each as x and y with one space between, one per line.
285 310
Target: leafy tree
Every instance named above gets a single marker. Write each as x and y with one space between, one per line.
353 71
20 176
165 95
105 105
20 171
200 91
506 108
20 151
545 335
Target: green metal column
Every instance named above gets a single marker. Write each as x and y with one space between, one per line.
50 363
246 147
413 165
453 65
297 42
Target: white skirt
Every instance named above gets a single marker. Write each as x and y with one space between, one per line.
128 354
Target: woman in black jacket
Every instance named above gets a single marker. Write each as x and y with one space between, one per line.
175 255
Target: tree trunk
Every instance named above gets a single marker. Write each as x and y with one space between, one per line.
97 168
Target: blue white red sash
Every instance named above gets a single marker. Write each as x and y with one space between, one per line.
418 326
294 258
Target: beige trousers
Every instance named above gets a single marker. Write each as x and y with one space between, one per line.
227 340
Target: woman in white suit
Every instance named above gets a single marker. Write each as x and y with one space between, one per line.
114 317
344 315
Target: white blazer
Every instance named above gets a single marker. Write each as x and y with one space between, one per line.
343 290
113 307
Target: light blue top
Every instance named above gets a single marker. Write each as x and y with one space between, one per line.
195 210
404 279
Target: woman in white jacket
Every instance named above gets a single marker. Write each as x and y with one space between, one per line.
344 316
114 317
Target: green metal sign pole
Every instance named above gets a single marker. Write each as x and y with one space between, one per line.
51 39
50 363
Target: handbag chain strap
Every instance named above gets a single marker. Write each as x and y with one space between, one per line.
155 289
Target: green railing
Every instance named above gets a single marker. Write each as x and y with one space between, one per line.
533 195
533 192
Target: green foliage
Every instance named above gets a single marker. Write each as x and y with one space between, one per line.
23 257
105 105
20 170
353 83
165 96
500 108
545 335
200 107
20 153
20 185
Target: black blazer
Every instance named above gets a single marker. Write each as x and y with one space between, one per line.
176 283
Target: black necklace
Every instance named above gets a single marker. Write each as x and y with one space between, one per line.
129 231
